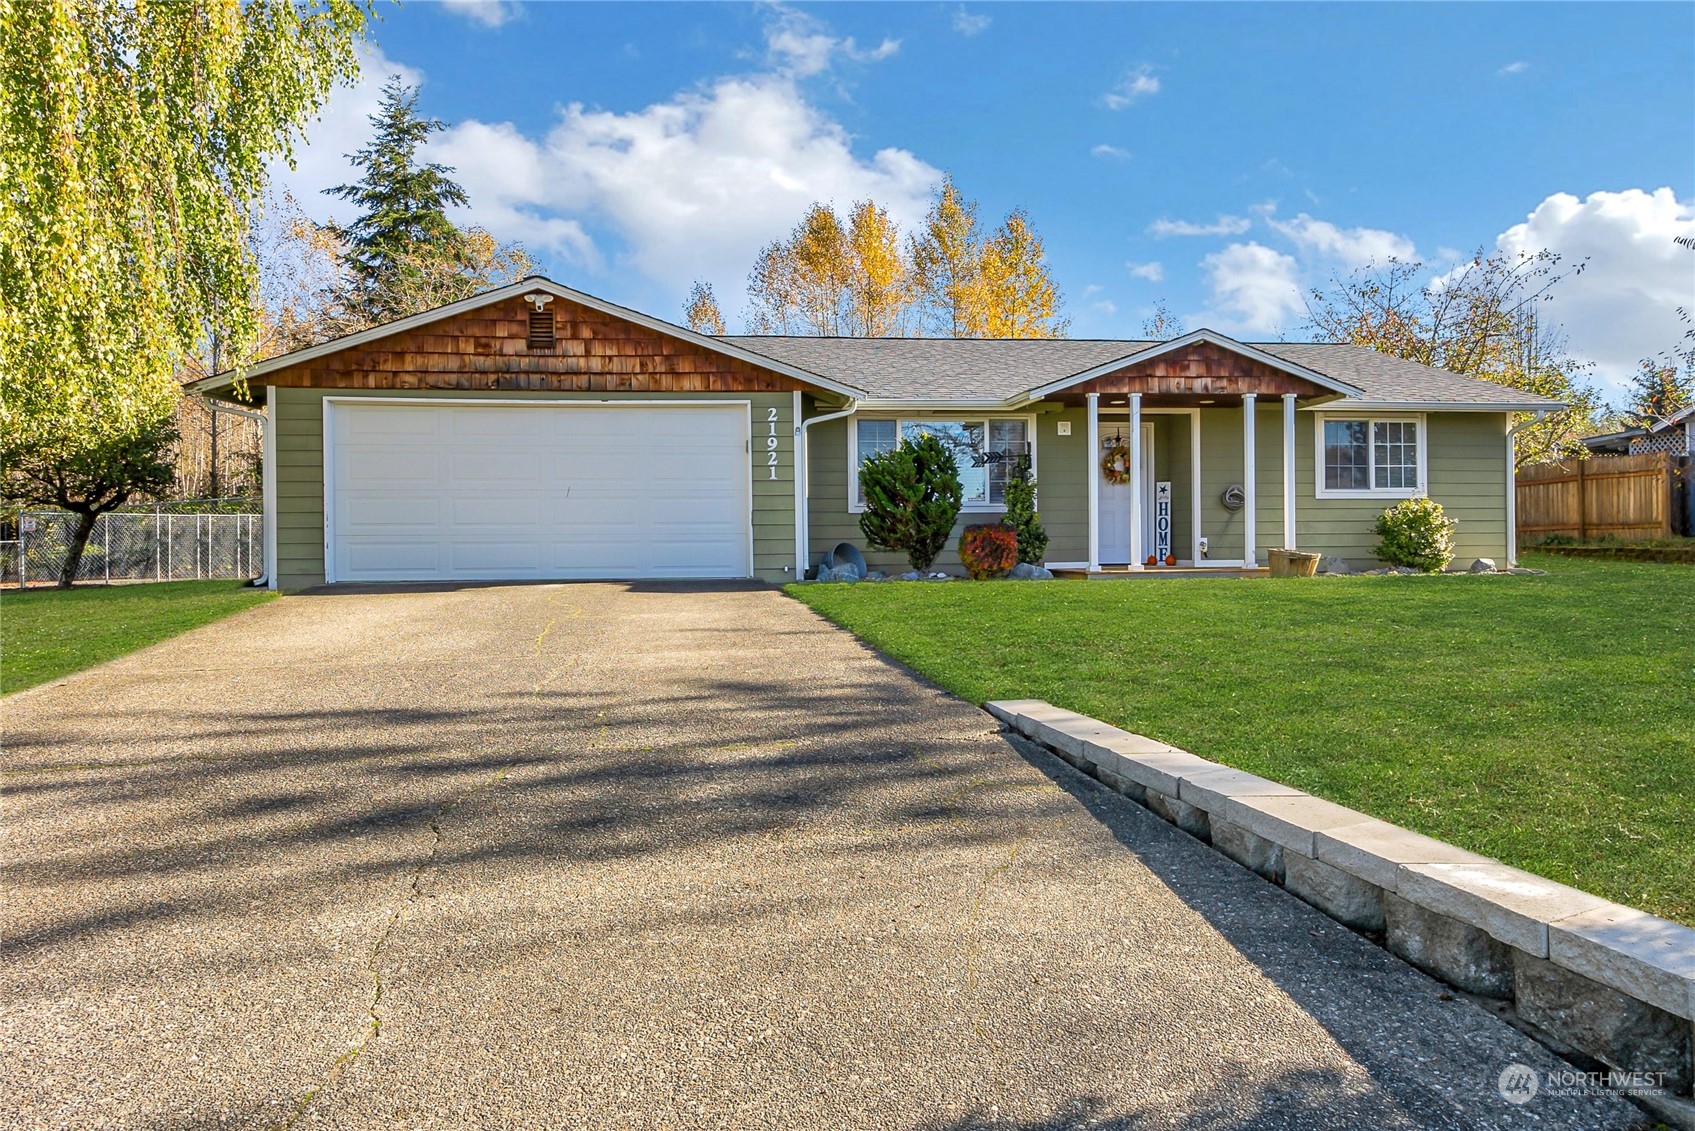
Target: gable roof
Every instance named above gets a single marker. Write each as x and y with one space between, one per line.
530 285
1007 371
1679 417
981 372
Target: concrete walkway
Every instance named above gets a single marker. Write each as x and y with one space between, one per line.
656 856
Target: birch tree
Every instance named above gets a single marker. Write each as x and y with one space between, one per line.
1016 296
701 313
947 256
134 140
880 277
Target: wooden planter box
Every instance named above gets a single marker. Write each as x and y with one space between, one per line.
1294 563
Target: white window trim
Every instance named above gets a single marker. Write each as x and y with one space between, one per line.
856 506
1372 419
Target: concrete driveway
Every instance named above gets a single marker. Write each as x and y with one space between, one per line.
610 856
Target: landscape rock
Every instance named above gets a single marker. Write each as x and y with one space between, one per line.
1482 565
1335 566
1024 571
912 575
876 575
844 573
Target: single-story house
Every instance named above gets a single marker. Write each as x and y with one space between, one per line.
535 431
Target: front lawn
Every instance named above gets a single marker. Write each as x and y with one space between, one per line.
1545 721
47 633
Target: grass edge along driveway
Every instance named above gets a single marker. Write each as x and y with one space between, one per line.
1548 722
49 633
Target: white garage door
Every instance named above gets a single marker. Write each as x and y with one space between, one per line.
421 492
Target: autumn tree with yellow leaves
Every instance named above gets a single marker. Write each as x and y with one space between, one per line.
863 279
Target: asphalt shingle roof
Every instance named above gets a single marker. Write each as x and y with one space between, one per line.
998 368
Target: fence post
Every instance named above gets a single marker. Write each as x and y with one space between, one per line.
105 521
1582 505
1670 494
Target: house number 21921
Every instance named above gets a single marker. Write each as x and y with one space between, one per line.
771 442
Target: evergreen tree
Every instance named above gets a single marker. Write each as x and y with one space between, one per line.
1021 517
1658 391
402 229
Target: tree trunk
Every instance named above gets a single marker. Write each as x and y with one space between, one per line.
73 552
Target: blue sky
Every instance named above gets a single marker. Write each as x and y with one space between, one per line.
1223 158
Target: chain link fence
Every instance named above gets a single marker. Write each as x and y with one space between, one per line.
157 544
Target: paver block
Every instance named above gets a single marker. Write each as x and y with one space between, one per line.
1292 821
1513 906
1118 783
1180 813
1374 850
1346 898
1208 789
1032 714
1632 951
1445 948
1255 853
1613 1027
1159 770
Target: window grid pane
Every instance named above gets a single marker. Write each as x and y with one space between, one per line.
1346 456
875 436
965 440
1007 439
1396 450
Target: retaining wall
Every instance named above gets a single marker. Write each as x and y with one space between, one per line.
1613 983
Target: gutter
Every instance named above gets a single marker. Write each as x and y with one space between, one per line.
268 491
803 486
1513 430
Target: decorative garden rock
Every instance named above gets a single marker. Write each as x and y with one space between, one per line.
1482 565
1024 571
1334 565
844 573
912 575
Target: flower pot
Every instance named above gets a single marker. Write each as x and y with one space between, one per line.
1294 563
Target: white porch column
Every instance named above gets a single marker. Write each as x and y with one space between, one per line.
1250 471
1137 550
1094 480
1289 471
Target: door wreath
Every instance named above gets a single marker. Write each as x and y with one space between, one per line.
1116 465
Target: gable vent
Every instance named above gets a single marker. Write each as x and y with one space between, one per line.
541 330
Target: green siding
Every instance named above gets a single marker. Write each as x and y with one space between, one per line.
300 471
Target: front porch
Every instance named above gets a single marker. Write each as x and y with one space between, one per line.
1188 472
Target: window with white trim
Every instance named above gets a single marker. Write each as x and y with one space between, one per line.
1370 456
984 449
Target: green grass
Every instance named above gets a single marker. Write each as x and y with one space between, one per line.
1545 721
48 633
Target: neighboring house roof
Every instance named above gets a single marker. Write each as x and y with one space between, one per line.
1682 416
1611 441
983 371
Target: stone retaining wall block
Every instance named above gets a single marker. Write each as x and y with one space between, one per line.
1345 898
1446 948
1513 906
1614 1028
1180 813
1262 857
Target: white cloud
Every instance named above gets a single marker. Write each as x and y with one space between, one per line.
1109 151
1104 306
800 45
1152 272
694 186
1517 67
1254 288
1137 84
970 23
489 13
1353 247
1623 305
1223 226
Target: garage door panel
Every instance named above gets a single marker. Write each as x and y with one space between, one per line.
437 492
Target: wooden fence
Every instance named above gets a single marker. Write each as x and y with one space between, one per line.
1629 498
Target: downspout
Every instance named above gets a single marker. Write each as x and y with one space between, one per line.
803 469
1512 482
268 489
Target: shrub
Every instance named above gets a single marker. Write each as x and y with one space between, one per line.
912 497
1417 534
1021 517
988 551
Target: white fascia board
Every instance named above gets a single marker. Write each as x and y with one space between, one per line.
500 294
1189 339
1348 404
949 404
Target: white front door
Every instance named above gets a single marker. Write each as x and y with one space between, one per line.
426 492
1115 507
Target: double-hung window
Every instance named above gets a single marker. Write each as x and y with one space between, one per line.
984 449
1370 456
